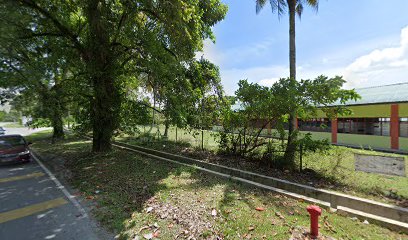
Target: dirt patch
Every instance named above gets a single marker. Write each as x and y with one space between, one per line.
193 220
301 233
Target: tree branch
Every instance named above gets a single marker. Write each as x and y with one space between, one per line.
43 34
63 29
146 105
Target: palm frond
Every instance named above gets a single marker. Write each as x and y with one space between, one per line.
259 5
278 6
311 3
299 9
314 4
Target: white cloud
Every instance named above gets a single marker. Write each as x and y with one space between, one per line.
236 55
380 66
268 81
264 75
360 66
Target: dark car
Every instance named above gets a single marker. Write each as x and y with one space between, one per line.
14 149
2 131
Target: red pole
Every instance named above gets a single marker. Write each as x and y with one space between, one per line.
394 131
334 130
314 212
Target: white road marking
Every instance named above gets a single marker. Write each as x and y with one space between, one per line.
70 197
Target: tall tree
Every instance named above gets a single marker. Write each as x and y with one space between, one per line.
109 35
34 77
294 7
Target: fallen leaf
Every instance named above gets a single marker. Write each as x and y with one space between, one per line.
278 214
148 236
260 209
149 209
251 228
156 234
143 228
214 212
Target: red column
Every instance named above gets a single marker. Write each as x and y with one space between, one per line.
296 123
334 130
394 128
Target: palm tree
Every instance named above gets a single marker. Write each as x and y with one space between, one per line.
294 7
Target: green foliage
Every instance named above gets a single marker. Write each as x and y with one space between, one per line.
273 105
40 122
104 45
310 145
12 116
132 115
2 115
281 6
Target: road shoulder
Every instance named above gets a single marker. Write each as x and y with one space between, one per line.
55 165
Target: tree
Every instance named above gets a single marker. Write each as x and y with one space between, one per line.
275 104
34 80
188 94
112 38
294 7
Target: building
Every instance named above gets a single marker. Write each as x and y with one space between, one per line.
379 120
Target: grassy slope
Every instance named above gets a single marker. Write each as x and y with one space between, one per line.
183 197
336 165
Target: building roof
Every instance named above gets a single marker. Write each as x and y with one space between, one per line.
393 93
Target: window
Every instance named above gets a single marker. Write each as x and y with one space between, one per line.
403 127
367 126
315 125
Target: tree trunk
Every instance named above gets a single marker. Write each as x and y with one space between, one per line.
291 145
105 115
57 125
101 66
53 99
166 129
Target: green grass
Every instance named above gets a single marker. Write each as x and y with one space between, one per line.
13 125
333 169
38 136
183 135
338 165
123 185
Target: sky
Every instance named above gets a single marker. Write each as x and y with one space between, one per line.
365 41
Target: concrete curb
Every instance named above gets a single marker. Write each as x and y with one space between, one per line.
387 215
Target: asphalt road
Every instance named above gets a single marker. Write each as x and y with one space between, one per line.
34 206
23 131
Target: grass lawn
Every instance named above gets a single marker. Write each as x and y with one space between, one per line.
333 170
338 165
13 125
138 196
